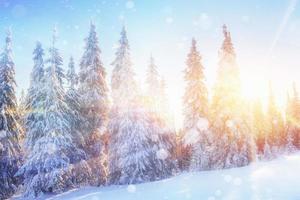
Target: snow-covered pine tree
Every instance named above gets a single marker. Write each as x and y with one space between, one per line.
153 86
276 134
56 59
293 120
135 151
163 134
196 136
54 162
94 104
233 143
73 101
123 85
34 117
10 158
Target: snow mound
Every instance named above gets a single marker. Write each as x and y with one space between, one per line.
276 179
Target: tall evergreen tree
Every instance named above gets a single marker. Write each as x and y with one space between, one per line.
163 133
153 86
54 163
73 101
56 59
123 85
196 138
135 151
34 117
233 143
276 138
10 158
293 120
94 103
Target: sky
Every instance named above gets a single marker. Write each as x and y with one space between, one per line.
265 35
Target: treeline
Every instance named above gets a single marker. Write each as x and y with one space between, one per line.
70 131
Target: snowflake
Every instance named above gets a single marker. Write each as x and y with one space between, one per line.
191 137
202 124
245 19
229 123
2 134
218 193
228 178
162 154
130 4
169 20
131 188
237 181
19 11
51 148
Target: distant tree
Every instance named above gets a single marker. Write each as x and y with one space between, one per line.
233 144
293 120
196 135
10 153
94 104
163 132
276 137
73 101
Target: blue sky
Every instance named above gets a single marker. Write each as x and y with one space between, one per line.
164 28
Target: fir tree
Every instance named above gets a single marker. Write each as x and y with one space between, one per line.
153 86
293 120
275 126
10 158
233 144
34 117
73 101
123 85
196 136
163 134
136 150
56 59
54 163
94 103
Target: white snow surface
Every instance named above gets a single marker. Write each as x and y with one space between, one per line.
278 180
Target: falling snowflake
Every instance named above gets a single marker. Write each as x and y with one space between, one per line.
162 154
51 148
19 11
229 123
237 181
218 193
203 21
191 137
211 198
131 188
227 178
2 134
202 124
130 4
245 19
169 20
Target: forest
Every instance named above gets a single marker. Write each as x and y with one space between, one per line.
70 130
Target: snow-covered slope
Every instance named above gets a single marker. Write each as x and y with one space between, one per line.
277 180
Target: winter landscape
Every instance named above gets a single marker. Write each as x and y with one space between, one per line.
135 100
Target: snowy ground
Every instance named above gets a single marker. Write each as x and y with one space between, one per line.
276 180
